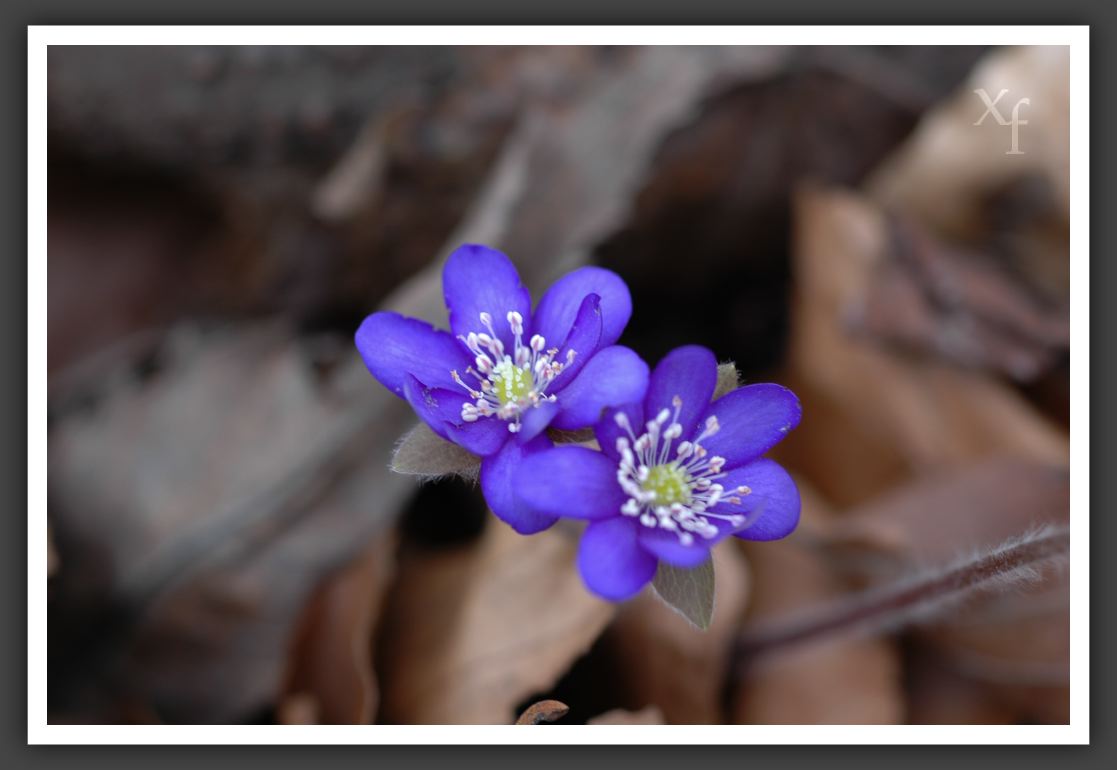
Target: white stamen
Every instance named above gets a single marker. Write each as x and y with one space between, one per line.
508 385
691 474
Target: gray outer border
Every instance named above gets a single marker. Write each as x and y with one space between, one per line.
19 13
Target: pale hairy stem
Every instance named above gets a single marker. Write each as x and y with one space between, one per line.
909 600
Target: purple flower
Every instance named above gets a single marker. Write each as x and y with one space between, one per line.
675 475
506 374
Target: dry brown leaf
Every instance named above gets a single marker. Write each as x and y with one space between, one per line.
332 658
873 417
470 632
949 165
719 203
846 681
298 709
934 298
543 711
649 715
939 695
929 521
663 661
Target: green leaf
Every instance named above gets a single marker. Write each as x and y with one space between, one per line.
424 453
728 379
690 592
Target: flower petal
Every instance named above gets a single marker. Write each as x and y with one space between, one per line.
752 420
484 437
479 279
689 372
394 346
497 474
607 431
437 407
772 505
614 376
584 339
570 481
612 563
441 409
535 420
665 545
558 308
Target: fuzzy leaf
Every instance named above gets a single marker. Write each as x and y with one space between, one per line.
728 379
690 592
423 453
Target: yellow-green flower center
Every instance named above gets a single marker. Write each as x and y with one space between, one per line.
513 384
669 484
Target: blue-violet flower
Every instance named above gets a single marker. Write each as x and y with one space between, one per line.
506 374
675 475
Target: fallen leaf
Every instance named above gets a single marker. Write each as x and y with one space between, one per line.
649 715
961 305
331 662
844 681
872 416
928 521
470 632
543 711
939 695
949 165
298 709
720 200
662 660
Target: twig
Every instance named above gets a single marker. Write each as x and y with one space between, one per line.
1008 566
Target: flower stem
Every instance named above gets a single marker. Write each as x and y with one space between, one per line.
912 599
